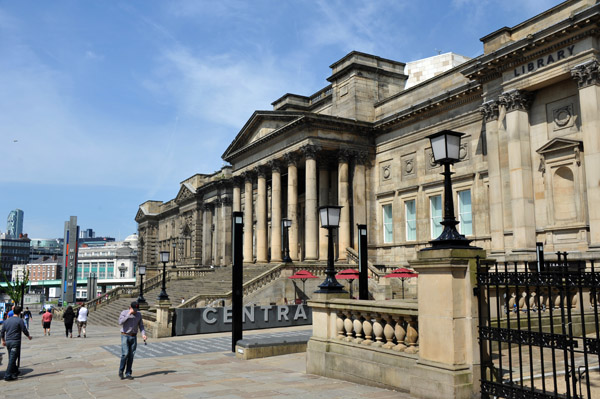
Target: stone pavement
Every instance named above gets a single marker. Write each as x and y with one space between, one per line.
58 367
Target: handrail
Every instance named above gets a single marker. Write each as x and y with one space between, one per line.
353 256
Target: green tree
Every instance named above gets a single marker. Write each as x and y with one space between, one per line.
17 289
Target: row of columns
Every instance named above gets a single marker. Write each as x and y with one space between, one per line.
216 242
508 116
317 189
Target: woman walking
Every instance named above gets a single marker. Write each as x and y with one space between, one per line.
68 318
46 320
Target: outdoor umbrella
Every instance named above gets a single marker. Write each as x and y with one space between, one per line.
402 274
302 275
348 274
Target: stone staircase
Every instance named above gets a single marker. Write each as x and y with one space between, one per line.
216 283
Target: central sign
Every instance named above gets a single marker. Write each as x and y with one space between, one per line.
211 320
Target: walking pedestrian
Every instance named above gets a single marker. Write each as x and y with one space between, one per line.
82 320
130 321
68 318
27 316
46 321
11 338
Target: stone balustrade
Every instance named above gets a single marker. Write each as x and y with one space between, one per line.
389 325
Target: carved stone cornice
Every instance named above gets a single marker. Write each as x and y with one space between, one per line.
587 74
310 151
261 171
516 100
490 110
291 158
275 165
344 155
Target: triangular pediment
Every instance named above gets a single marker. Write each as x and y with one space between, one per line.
559 144
186 192
261 125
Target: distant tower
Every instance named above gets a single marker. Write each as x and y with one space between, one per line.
14 225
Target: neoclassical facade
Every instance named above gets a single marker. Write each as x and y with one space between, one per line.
530 158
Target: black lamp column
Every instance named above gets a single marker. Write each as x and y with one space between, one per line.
286 223
164 258
141 300
363 277
330 219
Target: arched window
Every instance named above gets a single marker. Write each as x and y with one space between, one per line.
563 189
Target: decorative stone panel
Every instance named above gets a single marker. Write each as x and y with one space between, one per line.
562 117
409 166
385 171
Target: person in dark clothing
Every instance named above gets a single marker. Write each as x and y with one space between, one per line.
27 317
68 318
11 338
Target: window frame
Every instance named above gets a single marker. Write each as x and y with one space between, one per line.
384 224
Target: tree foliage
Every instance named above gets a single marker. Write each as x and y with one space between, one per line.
16 289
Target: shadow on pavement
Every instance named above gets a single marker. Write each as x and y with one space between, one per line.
156 373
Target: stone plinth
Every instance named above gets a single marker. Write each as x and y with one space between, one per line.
162 326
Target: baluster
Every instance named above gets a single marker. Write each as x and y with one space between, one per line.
400 333
412 336
358 327
377 330
522 301
574 300
339 324
348 326
388 332
368 329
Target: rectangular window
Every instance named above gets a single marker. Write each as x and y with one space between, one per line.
388 225
465 216
436 216
411 220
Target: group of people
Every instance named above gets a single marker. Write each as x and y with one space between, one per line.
130 321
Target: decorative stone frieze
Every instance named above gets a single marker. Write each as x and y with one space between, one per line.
516 100
490 110
587 74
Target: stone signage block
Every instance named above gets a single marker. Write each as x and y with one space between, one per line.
212 320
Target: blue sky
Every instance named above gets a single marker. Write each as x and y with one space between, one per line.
107 104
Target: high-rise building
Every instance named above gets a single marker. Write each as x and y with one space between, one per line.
14 224
13 252
87 233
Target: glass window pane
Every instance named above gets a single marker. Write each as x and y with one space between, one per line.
411 220
388 227
465 215
436 216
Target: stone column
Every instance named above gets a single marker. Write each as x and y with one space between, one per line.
359 193
588 80
323 200
226 231
275 211
517 103
217 233
237 194
292 208
248 222
343 201
311 222
206 235
449 363
490 111
261 216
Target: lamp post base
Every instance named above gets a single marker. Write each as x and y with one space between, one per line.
163 296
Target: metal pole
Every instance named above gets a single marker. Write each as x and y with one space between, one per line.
163 293
237 294
330 285
363 277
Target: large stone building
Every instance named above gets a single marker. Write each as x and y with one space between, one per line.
529 170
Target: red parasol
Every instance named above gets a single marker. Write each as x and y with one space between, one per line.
402 274
302 275
348 274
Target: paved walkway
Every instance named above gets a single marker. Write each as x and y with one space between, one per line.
57 367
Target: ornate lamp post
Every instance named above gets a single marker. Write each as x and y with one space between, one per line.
446 146
164 258
141 300
286 224
330 219
174 253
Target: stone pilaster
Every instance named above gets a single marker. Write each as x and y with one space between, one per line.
588 80
275 211
237 193
261 215
226 204
311 219
207 234
517 103
218 233
359 192
490 112
323 200
292 160
344 202
248 221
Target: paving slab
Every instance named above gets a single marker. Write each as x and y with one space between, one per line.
199 366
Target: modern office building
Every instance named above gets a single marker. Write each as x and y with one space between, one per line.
13 252
14 224
529 158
